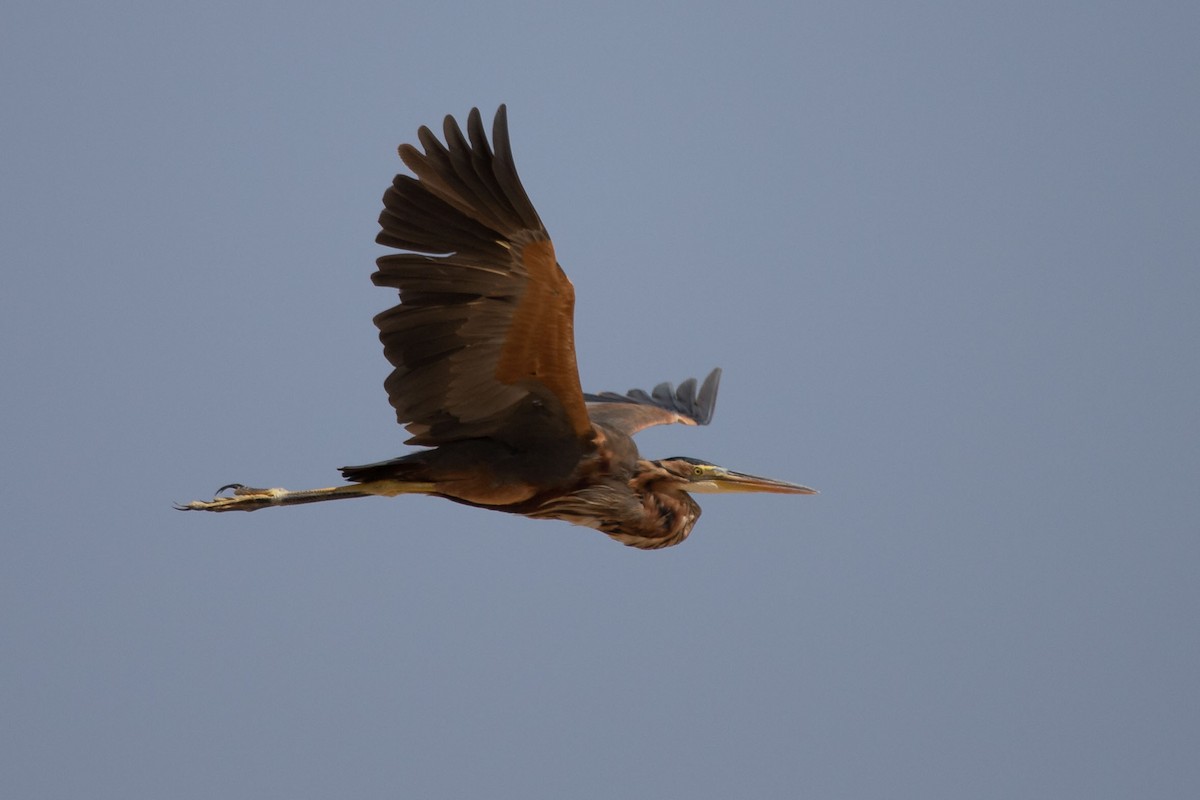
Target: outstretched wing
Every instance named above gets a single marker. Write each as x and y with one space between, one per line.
636 410
483 340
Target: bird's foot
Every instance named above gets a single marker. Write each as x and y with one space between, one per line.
244 498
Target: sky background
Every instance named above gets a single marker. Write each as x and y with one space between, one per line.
947 253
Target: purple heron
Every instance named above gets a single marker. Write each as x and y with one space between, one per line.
484 376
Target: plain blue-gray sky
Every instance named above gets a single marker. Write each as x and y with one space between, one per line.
947 253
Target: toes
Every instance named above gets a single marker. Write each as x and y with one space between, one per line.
241 490
243 498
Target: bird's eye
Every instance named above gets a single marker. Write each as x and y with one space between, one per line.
697 471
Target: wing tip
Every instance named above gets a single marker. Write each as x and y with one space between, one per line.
694 406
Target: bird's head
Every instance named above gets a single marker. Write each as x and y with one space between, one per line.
694 475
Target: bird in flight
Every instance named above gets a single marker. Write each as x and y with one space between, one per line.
484 375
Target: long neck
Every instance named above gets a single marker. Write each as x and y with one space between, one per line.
670 517
661 514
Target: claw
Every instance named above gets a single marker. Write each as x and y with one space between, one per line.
242 490
244 498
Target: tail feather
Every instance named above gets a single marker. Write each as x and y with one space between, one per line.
406 468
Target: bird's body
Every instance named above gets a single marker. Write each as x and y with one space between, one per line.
484 373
